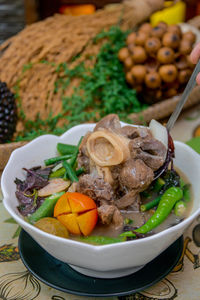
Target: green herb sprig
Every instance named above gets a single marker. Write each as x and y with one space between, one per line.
102 90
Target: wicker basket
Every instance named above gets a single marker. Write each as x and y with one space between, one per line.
157 111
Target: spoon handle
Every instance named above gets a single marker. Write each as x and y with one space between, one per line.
190 85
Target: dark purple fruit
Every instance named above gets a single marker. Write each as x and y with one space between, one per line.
8 113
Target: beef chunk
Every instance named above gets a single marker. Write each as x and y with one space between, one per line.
110 122
96 188
128 199
115 170
135 132
136 175
118 220
135 206
109 214
83 157
151 151
105 213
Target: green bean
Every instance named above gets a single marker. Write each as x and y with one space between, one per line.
180 208
186 193
151 204
61 172
128 234
66 148
74 156
165 206
53 160
102 240
46 209
58 173
70 173
79 171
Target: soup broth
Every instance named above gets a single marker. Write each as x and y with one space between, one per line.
138 218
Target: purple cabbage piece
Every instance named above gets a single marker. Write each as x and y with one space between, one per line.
23 198
29 208
42 172
36 179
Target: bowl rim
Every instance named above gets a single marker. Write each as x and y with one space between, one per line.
95 248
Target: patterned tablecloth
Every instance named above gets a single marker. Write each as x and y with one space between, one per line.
182 284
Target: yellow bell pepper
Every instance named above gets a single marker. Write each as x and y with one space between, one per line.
171 14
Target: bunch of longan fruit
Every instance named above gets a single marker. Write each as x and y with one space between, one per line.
156 60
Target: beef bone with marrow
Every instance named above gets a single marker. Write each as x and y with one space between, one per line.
107 148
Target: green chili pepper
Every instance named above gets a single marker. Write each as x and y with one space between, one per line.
53 160
66 148
151 204
102 240
180 208
70 173
46 209
165 206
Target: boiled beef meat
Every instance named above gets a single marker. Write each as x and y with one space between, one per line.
135 132
83 157
96 188
118 220
105 213
136 175
110 122
151 151
110 214
130 199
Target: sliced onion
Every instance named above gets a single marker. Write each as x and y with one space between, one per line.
159 132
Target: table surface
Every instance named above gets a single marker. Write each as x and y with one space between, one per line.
182 284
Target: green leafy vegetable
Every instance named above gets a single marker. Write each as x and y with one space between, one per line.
102 90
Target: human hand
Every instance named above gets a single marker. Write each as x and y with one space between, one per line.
195 56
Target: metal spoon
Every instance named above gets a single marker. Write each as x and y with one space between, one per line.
190 85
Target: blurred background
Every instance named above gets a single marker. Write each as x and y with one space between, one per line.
15 14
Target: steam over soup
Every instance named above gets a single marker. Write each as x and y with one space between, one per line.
117 184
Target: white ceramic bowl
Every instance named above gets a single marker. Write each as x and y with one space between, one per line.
101 261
